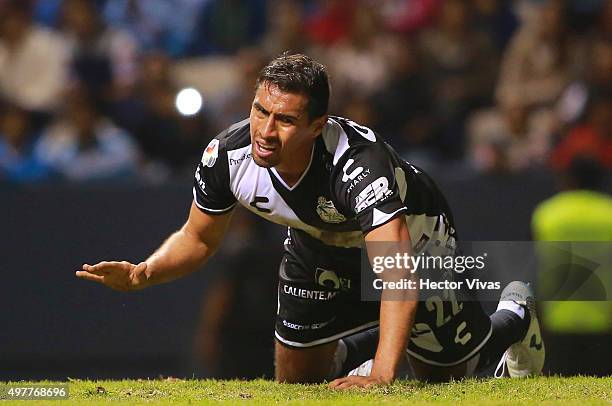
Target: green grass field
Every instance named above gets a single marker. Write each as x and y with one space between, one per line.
531 391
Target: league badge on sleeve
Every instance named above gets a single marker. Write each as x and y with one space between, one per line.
328 212
211 153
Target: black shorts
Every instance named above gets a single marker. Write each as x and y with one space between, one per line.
319 301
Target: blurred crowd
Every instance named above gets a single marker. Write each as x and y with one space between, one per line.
88 87
88 92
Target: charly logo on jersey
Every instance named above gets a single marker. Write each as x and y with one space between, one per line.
257 204
211 153
328 212
350 176
375 192
355 181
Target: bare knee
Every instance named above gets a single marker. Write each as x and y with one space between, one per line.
303 365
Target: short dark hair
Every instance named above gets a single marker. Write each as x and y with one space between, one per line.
299 73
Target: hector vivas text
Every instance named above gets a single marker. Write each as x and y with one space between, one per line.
415 263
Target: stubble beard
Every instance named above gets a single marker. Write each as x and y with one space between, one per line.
261 162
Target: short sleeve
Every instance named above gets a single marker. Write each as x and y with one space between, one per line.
365 186
211 189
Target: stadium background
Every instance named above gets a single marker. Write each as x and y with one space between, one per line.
499 100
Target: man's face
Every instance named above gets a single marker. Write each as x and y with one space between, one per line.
281 132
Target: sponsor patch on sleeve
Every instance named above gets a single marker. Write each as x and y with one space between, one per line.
374 192
211 153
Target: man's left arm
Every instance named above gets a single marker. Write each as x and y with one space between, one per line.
396 312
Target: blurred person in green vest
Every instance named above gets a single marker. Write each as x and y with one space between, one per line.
580 212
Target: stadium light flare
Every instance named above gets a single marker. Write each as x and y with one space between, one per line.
188 101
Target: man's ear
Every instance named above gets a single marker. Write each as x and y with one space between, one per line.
318 124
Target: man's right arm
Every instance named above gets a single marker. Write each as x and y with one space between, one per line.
181 254
189 248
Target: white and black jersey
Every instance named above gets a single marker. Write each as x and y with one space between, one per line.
354 183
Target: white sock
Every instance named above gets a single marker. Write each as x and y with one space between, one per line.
513 307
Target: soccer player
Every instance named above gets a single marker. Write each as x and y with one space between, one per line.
334 184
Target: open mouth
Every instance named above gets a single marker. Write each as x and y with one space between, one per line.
263 149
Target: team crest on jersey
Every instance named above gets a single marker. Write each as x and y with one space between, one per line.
328 212
211 153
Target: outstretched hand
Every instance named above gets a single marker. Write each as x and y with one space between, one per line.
122 276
